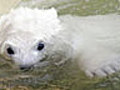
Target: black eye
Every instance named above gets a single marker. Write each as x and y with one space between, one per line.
40 46
10 51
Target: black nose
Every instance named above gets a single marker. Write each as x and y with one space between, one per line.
25 67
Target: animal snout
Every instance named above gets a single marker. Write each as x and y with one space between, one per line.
25 67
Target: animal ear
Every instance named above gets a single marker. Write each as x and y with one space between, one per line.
53 12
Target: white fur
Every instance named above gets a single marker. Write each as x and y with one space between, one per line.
96 42
93 41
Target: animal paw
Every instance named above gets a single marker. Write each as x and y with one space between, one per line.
105 70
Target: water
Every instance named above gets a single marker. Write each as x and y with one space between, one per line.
77 7
67 76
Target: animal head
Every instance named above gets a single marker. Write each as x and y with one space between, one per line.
26 34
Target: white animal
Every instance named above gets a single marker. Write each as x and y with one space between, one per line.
30 36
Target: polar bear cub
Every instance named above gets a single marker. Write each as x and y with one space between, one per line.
32 36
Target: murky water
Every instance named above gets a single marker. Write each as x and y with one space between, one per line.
67 76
